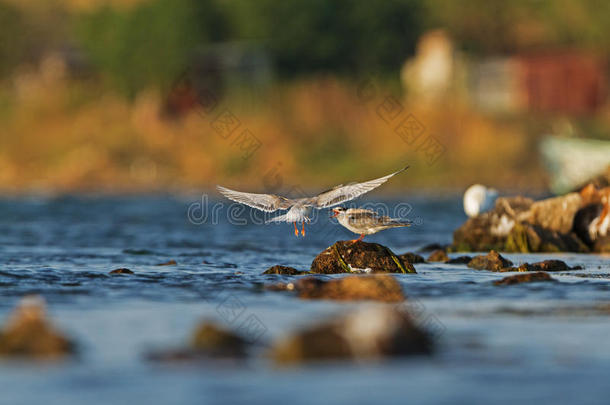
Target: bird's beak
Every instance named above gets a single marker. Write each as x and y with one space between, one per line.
335 213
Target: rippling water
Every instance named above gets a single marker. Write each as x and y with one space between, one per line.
541 341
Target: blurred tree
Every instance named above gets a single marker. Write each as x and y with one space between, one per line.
482 26
346 36
13 44
148 45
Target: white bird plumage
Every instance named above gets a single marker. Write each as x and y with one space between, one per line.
478 199
366 222
300 208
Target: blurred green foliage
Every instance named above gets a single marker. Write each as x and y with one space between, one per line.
12 47
151 42
344 36
146 45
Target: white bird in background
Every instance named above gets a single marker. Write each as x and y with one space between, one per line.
299 209
478 199
365 222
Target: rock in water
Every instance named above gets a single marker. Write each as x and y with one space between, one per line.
525 238
290 271
209 342
488 230
546 265
28 333
168 263
217 341
367 334
412 258
459 260
348 257
519 224
602 245
555 214
438 255
492 261
378 287
121 271
525 278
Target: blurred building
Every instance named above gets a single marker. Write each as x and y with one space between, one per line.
561 81
566 82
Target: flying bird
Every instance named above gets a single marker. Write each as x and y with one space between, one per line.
300 208
365 222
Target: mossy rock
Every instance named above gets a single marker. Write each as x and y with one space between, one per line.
352 257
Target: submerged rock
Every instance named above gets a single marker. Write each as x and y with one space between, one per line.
348 257
438 255
378 287
492 261
168 263
459 260
209 342
121 271
412 258
547 265
525 278
367 334
279 269
28 333
214 340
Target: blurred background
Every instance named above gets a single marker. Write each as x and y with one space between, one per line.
177 95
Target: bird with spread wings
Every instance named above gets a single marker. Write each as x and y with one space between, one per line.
300 208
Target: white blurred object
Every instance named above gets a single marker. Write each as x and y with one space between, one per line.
572 162
478 199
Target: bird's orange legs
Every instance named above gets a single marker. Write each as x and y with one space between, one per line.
359 239
303 229
296 231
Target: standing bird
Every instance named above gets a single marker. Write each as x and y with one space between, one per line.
478 199
300 208
365 222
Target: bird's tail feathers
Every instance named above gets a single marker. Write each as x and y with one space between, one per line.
279 218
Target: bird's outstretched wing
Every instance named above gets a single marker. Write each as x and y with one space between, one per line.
263 202
348 192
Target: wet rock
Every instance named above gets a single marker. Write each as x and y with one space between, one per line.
525 278
492 261
214 340
547 265
555 214
121 271
412 258
378 287
438 256
526 238
431 247
290 271
28 333
459 260
489 230
348 257
367 334
602 245
168 263
209 342
519 224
